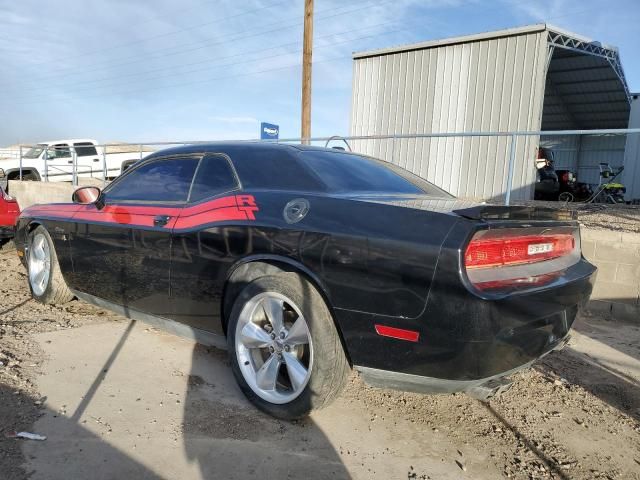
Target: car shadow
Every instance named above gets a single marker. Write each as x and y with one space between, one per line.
617 334
222 434
87 455
612 387
228 437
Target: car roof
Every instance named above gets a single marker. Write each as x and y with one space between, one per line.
213 147
69 140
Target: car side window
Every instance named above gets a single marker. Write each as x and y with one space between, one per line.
60 150
85 149
213 177
163 180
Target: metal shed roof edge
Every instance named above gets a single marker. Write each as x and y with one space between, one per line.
508 32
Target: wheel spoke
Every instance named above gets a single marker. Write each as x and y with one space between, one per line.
254 337
39 277
273 309
298 333
297 371
267 376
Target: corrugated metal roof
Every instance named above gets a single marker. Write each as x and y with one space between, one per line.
509 32
583 91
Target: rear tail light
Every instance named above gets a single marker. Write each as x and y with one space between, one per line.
500 252
519 257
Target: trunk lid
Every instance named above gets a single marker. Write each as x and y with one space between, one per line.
472 210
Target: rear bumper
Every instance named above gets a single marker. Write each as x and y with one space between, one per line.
482 388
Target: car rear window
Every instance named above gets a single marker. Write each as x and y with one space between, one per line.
272 169
85 149
347 172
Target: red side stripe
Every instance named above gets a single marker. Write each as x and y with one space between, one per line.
399 333
233 207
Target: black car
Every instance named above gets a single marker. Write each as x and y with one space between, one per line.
308 262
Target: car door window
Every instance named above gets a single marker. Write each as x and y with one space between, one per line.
61 150
166 180
213 177
85 149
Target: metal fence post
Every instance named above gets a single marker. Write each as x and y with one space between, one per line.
46 164
104 166
20 162
74 159
393 148
512 161
140 151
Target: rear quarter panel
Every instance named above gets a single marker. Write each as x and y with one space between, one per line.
367 257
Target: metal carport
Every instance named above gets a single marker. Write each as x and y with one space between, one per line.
585 89
531 78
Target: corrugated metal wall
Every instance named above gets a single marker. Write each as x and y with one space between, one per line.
489 85
583 153
631 175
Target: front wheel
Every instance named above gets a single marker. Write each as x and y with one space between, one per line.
45 279
285 351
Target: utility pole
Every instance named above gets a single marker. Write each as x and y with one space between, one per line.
307 48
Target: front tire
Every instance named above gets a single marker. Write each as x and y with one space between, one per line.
45 279
284 349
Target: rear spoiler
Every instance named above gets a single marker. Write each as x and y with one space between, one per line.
517 212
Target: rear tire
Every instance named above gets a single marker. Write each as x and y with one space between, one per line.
45 279
307 364
565 197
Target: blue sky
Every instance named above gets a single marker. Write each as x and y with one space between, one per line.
203 70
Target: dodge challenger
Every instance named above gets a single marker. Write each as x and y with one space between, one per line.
307 262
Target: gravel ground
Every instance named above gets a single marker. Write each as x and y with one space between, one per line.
576 415
624 218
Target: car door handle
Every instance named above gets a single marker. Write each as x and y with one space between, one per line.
161 220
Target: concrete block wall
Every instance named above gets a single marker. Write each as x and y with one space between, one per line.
617 255
32 193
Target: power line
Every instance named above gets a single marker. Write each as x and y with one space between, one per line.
221 77
173 68
175 32
200 44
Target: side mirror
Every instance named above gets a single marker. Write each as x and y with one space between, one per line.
2 175
86 196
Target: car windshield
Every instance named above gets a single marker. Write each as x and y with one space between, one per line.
351 173
34 152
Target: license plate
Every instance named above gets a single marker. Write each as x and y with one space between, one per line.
538 248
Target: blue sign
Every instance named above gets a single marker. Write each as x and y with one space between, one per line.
269 131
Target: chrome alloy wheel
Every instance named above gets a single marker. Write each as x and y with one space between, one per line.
273 347
39 264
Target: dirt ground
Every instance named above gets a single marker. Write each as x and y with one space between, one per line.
161 407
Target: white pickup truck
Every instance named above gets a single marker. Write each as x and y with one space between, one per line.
54 161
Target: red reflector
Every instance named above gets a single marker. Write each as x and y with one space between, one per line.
514 250
398 333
